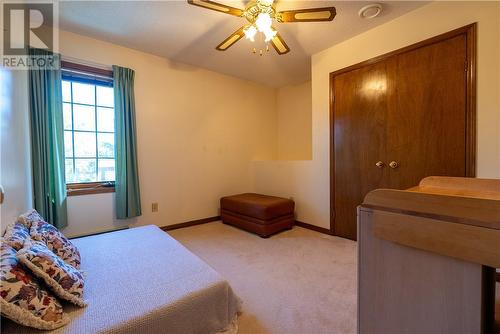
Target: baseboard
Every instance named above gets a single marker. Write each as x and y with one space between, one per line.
313 227
190 223
216 218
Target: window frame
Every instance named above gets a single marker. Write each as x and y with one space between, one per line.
88 188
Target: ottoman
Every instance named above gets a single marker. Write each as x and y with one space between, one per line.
260 214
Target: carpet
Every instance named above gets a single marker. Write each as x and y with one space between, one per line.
298 281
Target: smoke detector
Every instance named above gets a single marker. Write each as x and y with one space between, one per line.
370 11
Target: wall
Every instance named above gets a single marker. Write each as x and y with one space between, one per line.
198 132
308 182
15 166
293 105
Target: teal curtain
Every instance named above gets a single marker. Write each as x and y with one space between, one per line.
128 197
47 139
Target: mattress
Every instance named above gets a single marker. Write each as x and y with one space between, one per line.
141 280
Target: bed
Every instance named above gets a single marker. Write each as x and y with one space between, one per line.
141 280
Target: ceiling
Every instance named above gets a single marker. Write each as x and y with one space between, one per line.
189 34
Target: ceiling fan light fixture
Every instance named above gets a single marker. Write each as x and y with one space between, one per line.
269 34
263 22
267 2
260 15
250 32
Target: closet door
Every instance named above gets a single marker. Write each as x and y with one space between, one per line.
410 112
426 133
360 109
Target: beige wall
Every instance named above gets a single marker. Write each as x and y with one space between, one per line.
15 166
293 105
202 135
308 182
197 130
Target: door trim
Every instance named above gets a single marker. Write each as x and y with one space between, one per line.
470 32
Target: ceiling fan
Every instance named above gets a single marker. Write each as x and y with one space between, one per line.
260 15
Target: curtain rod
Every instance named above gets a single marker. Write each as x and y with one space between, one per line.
86 73
86 69
87 63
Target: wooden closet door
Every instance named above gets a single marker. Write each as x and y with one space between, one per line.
414 107
360 119
426 133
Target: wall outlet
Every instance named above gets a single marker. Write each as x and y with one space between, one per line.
154 207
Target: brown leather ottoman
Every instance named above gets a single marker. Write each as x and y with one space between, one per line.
260 214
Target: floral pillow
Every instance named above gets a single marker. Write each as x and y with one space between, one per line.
15 235
63 279
56 242
22 299
29 217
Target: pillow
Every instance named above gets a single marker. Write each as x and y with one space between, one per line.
29 217
22 299
56 242
63 279
15 235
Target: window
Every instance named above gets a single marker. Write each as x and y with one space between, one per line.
89 127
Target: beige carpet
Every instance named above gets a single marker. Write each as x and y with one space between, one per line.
298 281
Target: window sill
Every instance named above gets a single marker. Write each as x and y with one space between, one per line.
78 189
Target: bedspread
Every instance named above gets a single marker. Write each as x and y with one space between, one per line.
141 280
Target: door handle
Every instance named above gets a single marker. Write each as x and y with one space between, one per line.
380 164
393 164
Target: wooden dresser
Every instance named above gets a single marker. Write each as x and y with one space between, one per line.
427 257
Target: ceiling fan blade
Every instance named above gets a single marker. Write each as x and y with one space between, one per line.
307 15
217 7
228 42
279 44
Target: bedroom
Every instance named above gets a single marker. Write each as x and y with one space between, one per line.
211 124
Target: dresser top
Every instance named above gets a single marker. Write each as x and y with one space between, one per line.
469 201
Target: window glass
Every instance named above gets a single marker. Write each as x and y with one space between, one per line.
85 170
84 117
85 144
83 93
89 126
67 116
68 144
66 91
105 96
106 145
106 170
70 173
105 119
